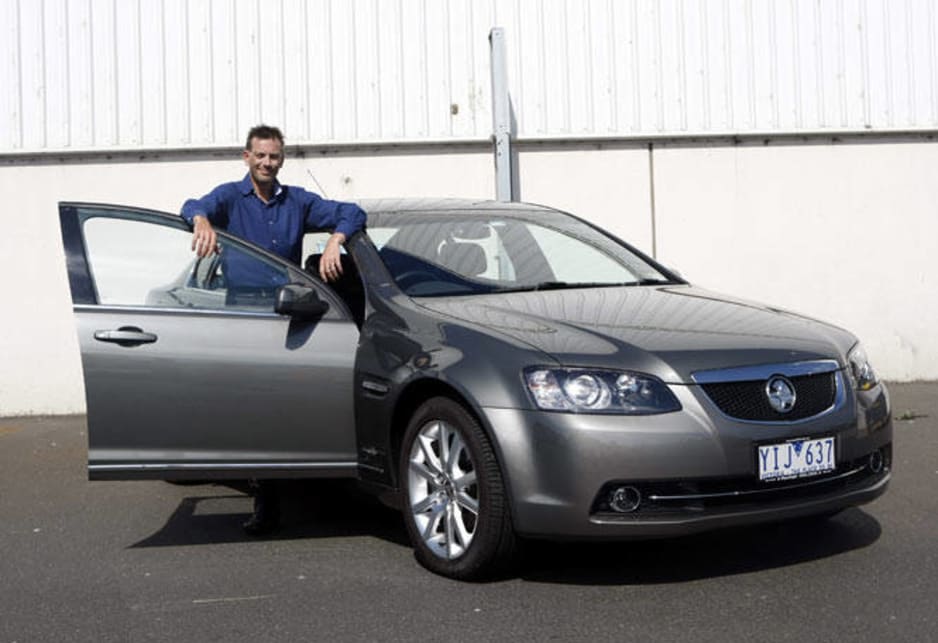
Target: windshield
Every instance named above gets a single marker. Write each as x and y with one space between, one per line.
460 253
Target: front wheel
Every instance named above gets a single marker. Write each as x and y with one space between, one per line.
455 508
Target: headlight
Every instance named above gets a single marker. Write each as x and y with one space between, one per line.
861 371
578 390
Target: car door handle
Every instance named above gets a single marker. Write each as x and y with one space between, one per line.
125 336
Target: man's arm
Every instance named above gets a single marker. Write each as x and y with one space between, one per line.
201 214
330 266
204 239
345 219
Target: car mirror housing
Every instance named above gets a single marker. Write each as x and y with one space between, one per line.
300 302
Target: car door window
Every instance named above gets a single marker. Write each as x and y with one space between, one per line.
137 262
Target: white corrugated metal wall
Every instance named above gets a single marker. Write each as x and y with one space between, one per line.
156 74
713 130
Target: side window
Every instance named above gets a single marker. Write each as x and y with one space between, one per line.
143 263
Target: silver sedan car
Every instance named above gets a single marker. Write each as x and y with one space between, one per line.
496 370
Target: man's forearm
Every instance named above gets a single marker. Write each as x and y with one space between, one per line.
330 265
204 239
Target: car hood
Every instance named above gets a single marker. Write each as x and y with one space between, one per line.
670 332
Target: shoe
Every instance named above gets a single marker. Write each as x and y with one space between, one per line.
266 516
259 525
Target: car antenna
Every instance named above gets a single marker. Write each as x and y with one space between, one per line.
321 191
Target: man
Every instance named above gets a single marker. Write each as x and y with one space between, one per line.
275 217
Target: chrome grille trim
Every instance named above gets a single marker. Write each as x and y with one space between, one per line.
754 492
763 372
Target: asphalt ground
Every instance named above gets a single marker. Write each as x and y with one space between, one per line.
142 561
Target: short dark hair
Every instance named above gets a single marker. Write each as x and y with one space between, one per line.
265 133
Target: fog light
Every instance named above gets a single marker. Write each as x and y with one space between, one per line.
877 461
625 499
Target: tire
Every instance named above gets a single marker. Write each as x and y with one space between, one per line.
455 506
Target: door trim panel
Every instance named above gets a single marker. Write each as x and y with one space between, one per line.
219 471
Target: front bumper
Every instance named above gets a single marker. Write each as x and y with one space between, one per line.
699 464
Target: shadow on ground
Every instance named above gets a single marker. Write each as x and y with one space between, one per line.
720 553
213 514
330 509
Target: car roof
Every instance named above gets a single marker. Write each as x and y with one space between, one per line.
376 206
437 205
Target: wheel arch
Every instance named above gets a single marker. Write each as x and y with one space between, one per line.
410 399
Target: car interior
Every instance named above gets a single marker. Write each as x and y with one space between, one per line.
348 286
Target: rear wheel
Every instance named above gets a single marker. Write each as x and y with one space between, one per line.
455 509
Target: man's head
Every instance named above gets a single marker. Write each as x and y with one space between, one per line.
263 154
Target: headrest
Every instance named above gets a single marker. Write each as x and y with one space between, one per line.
463 258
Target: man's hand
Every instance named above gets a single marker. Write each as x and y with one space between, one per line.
330 265
204 240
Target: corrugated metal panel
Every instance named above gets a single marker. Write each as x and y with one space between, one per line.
707 67
134 74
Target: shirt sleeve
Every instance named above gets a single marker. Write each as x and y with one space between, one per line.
213 206
338 216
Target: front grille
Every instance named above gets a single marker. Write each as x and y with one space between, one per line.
674 498
748 400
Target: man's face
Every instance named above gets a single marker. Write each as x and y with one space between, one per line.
264 160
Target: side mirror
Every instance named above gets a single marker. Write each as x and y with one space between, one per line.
300 302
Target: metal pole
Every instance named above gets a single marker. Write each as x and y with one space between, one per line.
651 193
501 115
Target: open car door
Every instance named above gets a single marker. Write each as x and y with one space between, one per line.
189 372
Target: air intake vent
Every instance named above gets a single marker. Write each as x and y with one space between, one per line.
814 394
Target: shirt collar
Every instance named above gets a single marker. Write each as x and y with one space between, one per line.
247 186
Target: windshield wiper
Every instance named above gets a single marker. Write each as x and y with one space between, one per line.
651 282
543 285
566 285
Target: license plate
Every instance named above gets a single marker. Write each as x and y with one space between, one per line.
796 459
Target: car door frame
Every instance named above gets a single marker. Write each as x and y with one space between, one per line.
85 299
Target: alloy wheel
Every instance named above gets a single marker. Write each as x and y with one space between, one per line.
442 489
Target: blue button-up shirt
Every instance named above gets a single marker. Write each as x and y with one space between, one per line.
279 224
